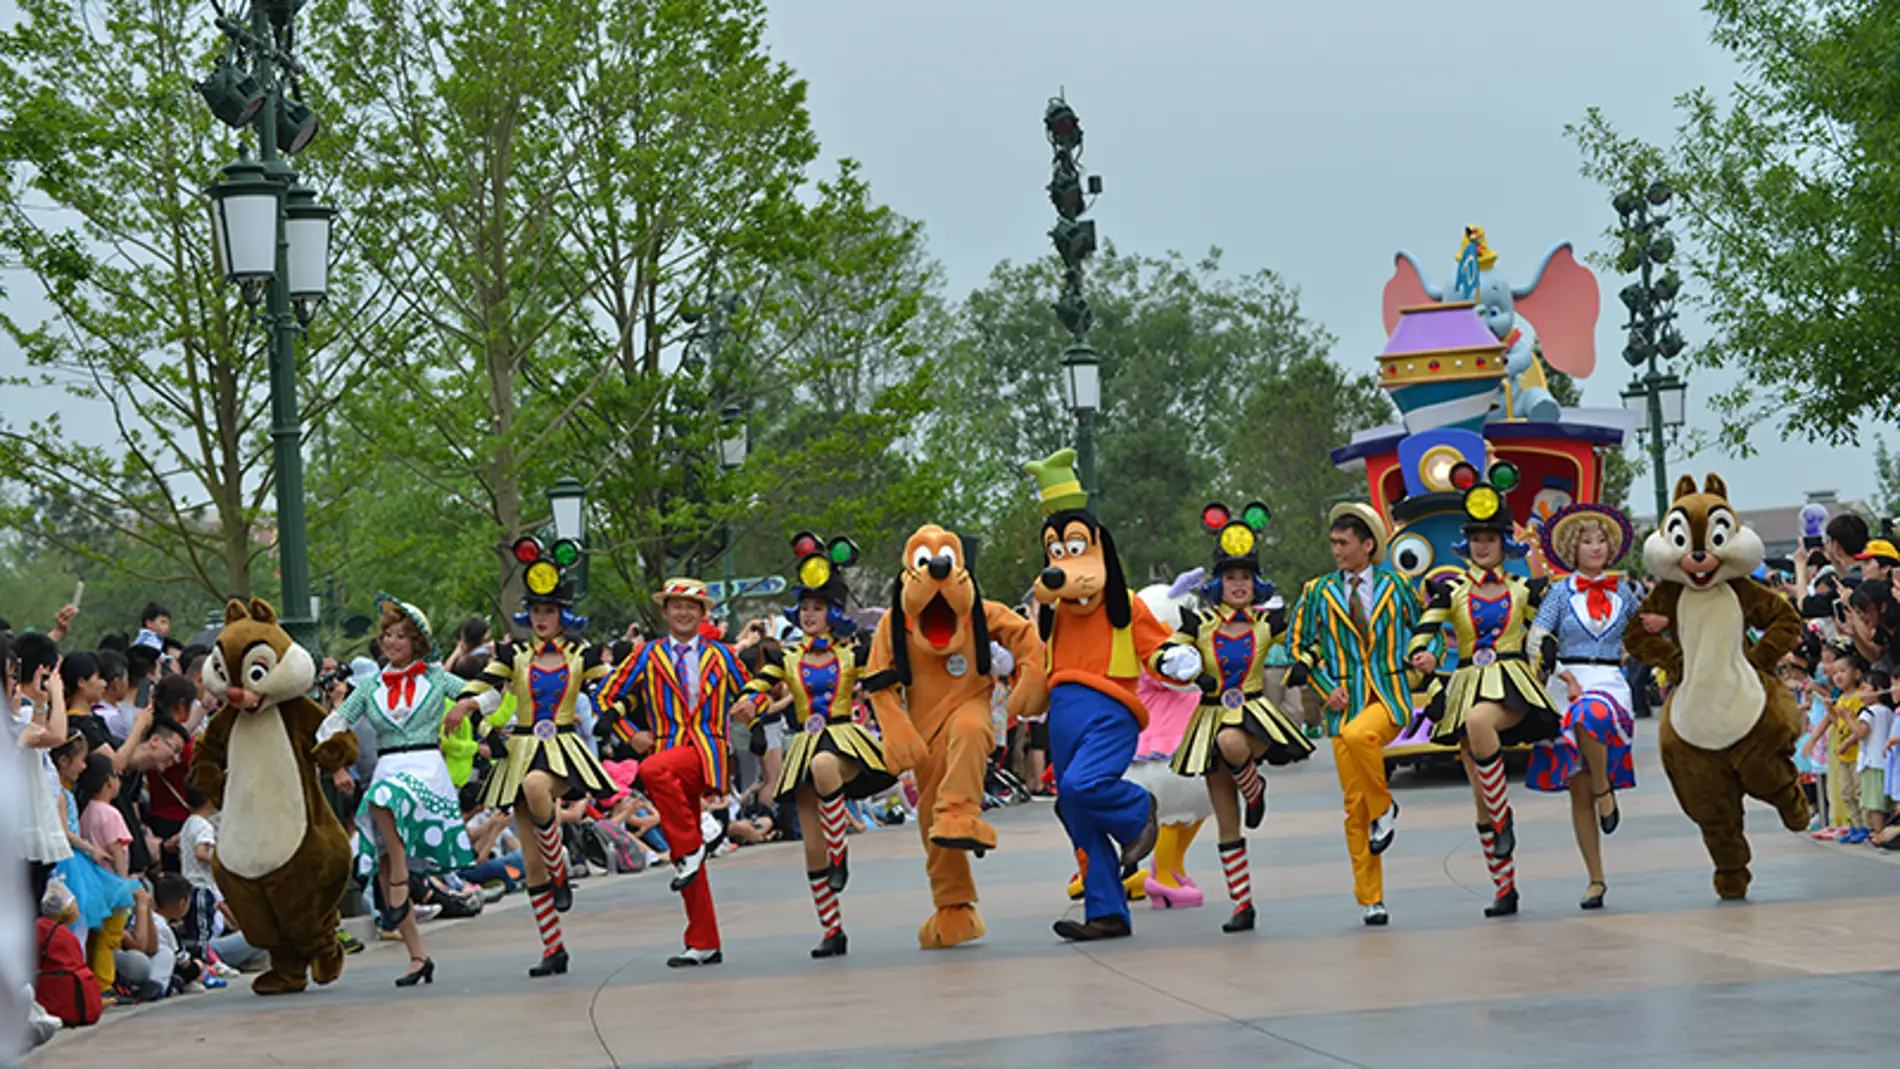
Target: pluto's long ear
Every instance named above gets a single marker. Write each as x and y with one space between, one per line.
1115 598
1685 487
979 628
900 633
234 610
1714 485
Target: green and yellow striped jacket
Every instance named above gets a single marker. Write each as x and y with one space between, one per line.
1371 666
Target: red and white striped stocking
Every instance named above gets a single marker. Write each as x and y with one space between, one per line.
1491 785
545 918
1247 778
826 900
1233 861
547 839
1503 870
831 818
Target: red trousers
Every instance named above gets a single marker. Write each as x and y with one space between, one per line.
676 781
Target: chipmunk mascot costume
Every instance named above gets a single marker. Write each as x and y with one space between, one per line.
933 665
1729 727
1099 641
282 860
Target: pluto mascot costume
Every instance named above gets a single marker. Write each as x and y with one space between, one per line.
1100 639
1729 727
932 672
282 859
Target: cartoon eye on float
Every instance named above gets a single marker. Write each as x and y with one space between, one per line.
1412 555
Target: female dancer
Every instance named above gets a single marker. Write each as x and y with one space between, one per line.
547 760
832 756
1579 632
1493 699
1236 726
411 817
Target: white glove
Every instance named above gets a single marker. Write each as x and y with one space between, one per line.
1002 662
1182 663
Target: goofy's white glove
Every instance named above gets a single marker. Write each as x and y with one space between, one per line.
1002 662
1181 663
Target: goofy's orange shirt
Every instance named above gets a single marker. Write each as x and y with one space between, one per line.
1089 650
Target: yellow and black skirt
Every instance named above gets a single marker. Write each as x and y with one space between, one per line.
843 737
1506 679
1253 713
558 751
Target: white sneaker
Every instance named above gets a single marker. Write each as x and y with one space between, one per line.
425 913
1383 828
194 988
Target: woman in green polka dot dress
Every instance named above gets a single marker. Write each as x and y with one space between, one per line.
410 820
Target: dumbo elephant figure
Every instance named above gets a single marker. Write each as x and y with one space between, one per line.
1561 299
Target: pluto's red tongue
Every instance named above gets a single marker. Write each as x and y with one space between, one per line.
938 622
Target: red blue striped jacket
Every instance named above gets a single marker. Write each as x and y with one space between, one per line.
646 686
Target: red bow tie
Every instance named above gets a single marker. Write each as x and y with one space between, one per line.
402 684
1596 596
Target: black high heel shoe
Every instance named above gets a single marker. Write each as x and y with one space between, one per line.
1594 901
424 975
1609 821
1504 905
554 964
1243 920
834 946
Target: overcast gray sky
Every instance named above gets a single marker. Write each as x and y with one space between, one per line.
1311 138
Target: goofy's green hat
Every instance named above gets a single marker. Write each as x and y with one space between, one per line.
1060 490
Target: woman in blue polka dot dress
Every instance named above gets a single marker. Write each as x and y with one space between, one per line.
410 820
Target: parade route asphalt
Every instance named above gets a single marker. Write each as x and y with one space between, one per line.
1664 976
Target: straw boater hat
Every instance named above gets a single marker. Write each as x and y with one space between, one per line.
1556 533
1373 521
684 590
392 609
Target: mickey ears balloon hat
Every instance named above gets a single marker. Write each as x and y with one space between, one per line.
545 579
1485 506
820 573
1236 545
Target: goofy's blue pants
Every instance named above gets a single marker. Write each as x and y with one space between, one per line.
1091 742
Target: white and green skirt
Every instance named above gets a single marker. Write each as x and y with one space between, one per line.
415 787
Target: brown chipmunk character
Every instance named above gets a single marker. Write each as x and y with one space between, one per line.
1729 727
282 860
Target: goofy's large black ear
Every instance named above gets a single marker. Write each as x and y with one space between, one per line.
900 633
979 628
1045 621
1115 598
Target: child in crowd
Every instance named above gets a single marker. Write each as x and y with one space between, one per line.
1843 751
1873 727
105 897
198 841
1796 672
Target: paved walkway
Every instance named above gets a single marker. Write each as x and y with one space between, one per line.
1665 976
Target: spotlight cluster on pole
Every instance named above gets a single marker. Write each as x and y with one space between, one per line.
1658 397
1074 239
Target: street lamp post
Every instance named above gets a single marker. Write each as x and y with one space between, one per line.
273 239
1074 239
735 441
1658 396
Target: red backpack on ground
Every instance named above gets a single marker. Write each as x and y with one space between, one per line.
65 986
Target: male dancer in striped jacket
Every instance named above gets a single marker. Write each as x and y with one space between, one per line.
1348 640
682 688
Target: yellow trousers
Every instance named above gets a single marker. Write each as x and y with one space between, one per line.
100 943
1359 753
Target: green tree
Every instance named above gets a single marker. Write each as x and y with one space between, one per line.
102 206
1213 386
1886 479
573 194
1788 194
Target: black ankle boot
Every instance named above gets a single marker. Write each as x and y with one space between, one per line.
1242 920
834 946
1504 905
554 964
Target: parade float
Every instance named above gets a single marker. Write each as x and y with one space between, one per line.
1467 366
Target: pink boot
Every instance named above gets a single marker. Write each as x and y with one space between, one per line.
1186 896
